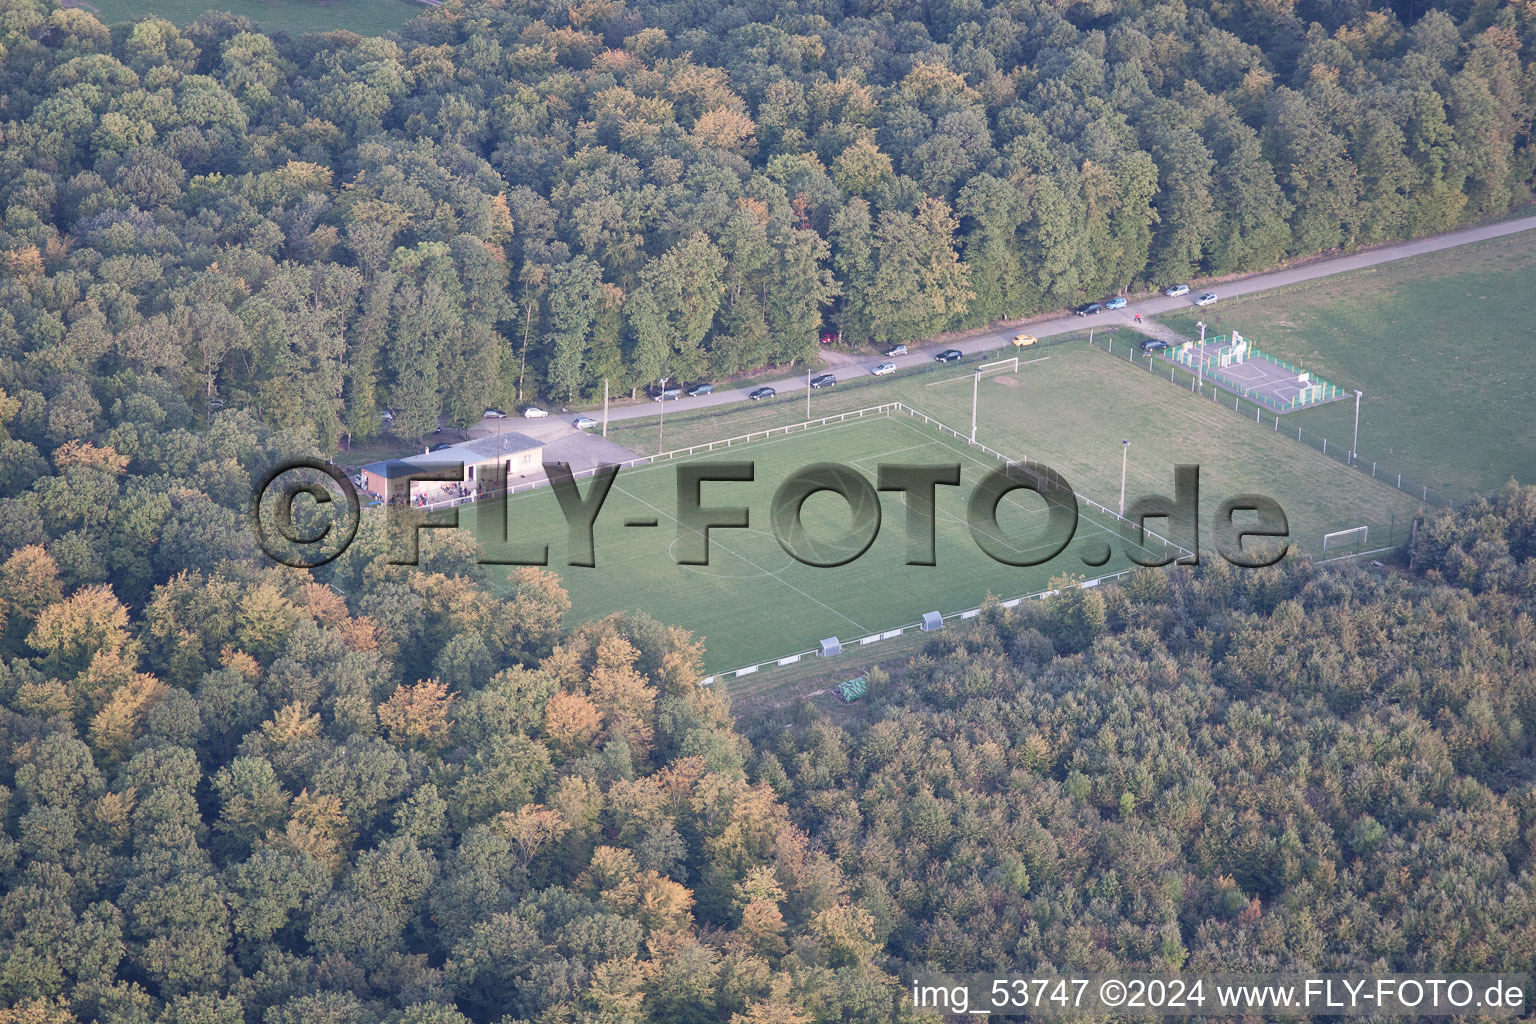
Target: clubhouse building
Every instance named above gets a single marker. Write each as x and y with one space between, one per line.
519 458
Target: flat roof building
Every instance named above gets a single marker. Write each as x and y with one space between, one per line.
519 457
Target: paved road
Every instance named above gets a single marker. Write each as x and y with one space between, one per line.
1149 306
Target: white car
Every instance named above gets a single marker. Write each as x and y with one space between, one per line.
1206 299
533 412
584 422
1177 290
883 369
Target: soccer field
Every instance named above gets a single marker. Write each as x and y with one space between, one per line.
753 602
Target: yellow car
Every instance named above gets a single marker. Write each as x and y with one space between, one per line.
1022 340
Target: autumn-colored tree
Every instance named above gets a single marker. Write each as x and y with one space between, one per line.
531 828
571 721
291 723
121 717
317 827
29 582
418 713
83 453
323 604
621 693
72 631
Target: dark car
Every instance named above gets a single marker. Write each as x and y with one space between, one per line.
1153 345
701 389
950 355
1088 309
826 380
759 394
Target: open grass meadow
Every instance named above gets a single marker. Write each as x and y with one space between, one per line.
753 602
1439 343
296 17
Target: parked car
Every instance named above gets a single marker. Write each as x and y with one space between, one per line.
495 414
584 422
1206 299
387 416
1118 302
1088 309
825 380
950 355
896 350
701 389
758 394
1024 340
533 412
1153 345
831 337
883 369
670 395
1177 290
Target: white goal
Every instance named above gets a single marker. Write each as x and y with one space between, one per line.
1339 538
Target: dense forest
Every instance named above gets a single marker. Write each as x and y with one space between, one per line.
1262 771
515 199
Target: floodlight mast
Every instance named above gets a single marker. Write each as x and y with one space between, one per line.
975 394
1125 454
661 427
1200 359
1354 446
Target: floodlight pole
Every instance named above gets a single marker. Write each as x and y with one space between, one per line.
807 394
661 429
605 406
1125 453
975 393
1354 446
1200 359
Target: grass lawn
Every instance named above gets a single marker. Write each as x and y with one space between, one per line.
753 602
1069 408
1439 343
296 17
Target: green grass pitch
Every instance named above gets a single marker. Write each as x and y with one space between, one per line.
754 603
